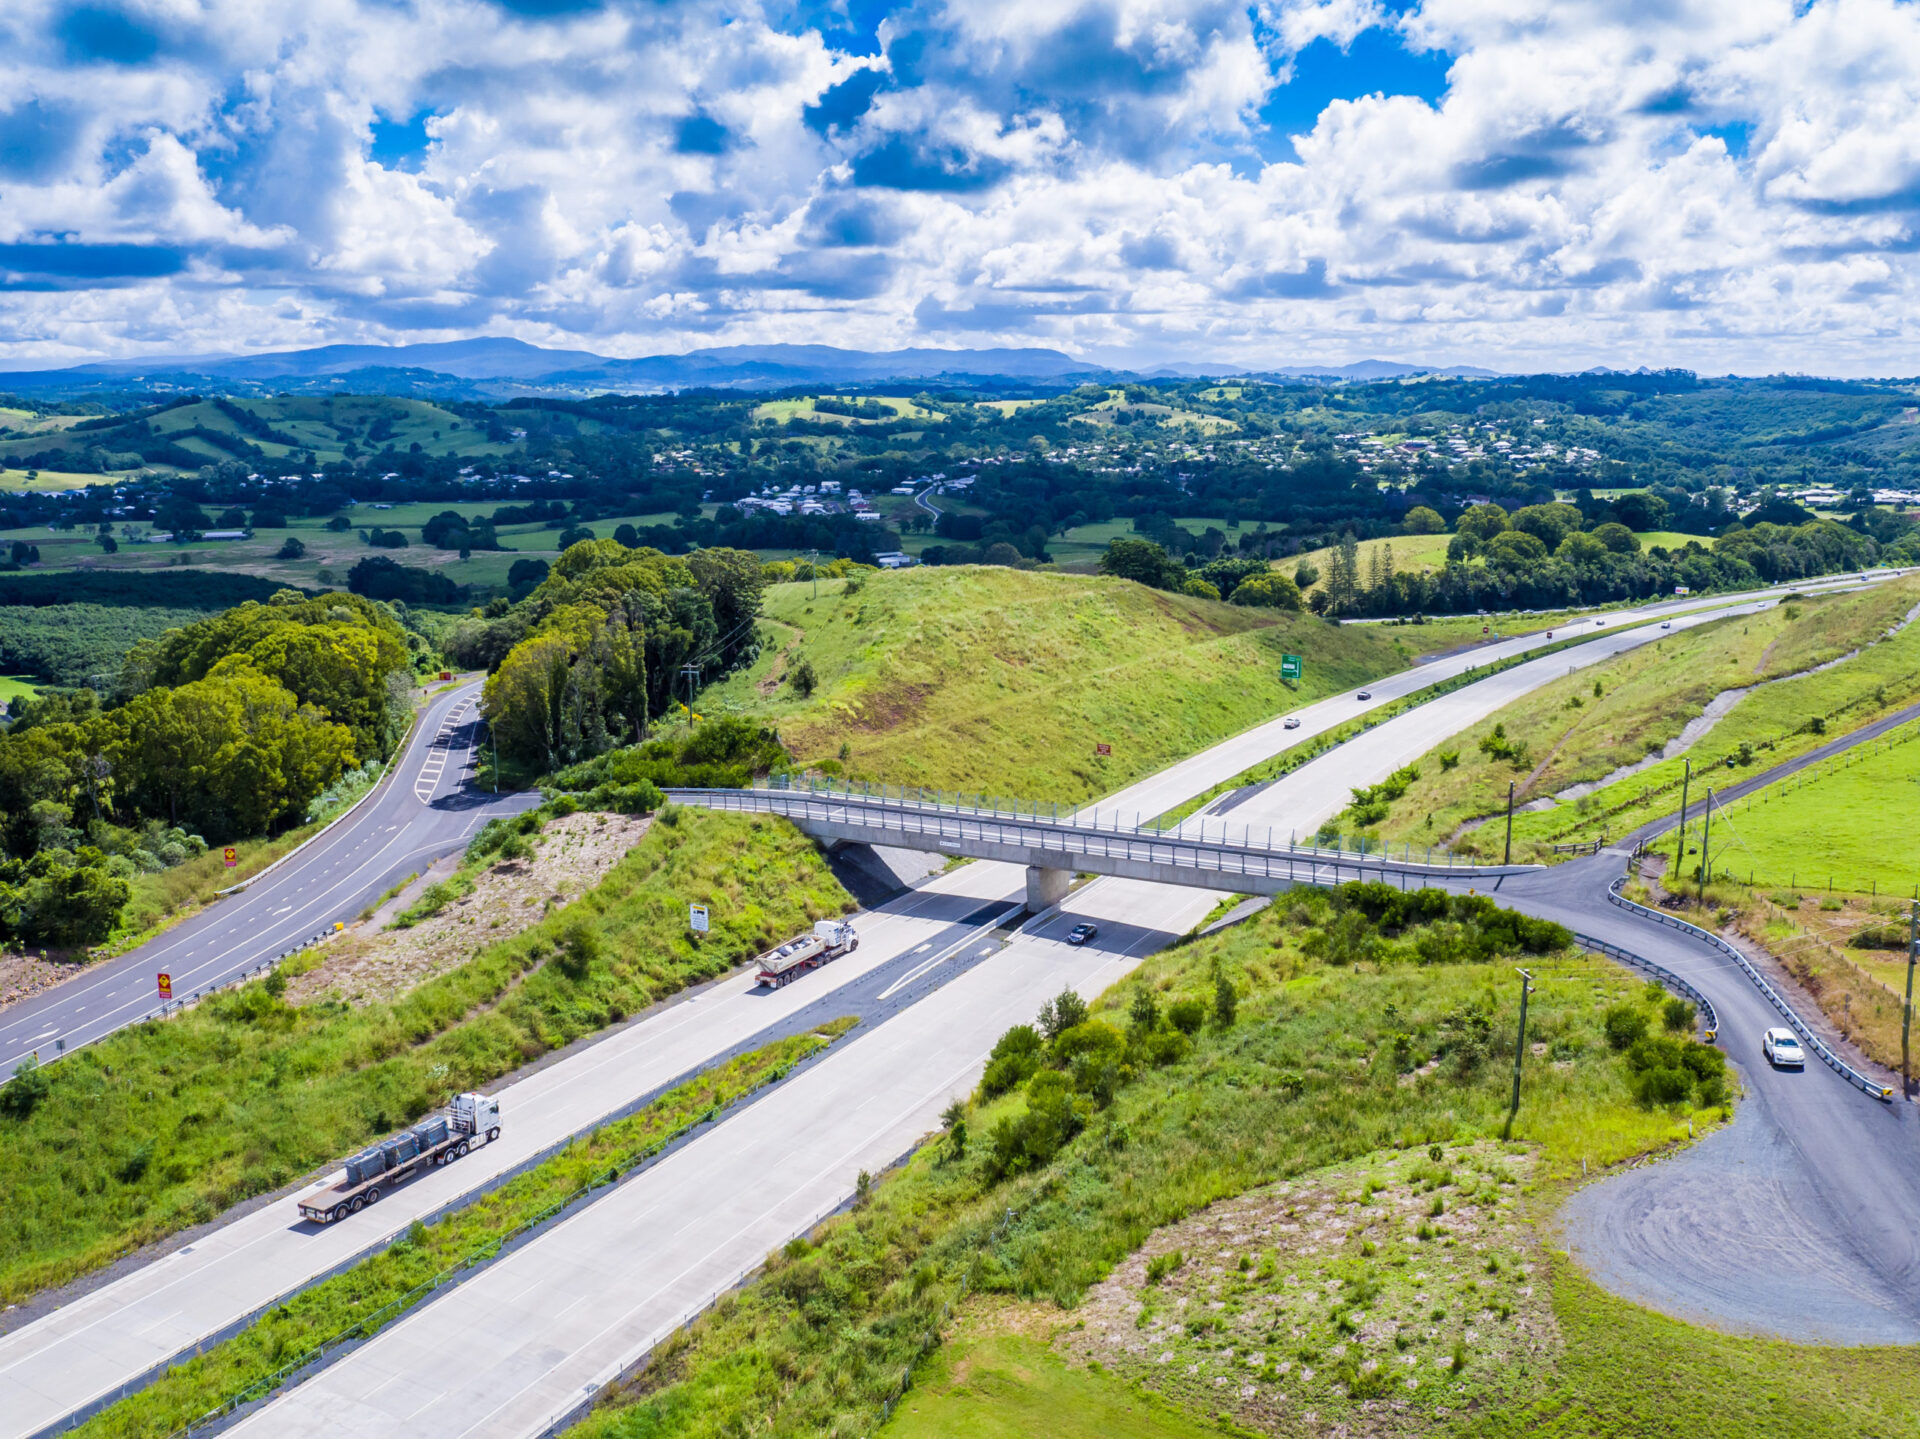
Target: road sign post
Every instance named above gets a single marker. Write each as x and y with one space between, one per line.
698 918
166 985
231 856
1290 667
1103 749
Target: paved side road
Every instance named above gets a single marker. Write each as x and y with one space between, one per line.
1801 1219
423 809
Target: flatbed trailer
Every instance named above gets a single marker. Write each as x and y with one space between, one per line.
438 1139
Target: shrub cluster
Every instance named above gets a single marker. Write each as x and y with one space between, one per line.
1071 1066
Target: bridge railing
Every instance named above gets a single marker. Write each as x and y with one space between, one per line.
1047 837
1113 819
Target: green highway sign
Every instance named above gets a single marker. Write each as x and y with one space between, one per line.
1289 667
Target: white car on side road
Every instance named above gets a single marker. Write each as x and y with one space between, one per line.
1783 1051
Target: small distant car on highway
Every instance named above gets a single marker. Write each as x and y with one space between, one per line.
1293 722
1783 1051
1366 694
1666 624
1081 933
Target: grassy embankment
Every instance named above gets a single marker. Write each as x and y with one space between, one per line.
366 1298
1357 1058
167 1124
1565 734
1003 681
1427 554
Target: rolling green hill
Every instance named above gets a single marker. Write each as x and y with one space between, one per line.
218 429
1004 681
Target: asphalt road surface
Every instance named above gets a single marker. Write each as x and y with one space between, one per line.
424 808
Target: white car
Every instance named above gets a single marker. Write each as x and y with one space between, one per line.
1293 722
1783 1051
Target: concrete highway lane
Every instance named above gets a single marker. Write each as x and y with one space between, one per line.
423 809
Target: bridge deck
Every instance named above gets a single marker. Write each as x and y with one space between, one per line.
1042 842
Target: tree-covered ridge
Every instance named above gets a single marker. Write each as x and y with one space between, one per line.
226 727
604 640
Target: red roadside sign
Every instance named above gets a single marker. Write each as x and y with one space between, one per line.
1103 749
166 985
231 856
446 674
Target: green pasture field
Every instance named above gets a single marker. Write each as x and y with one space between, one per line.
46 482
1848 821
167 1125
1084 544
13 687
981 678
1005 407
1426 554
334 552
780 411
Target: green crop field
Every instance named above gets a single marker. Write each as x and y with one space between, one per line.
1563 734
1848 822
803 409
1004 680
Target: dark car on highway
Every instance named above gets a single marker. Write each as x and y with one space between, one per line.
1081 933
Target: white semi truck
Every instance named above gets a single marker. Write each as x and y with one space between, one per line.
438 1139
828 939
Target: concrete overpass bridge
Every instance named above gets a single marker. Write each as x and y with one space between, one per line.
1054 847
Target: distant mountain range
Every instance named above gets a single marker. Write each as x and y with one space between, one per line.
497 367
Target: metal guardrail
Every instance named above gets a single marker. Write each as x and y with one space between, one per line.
1068 841
1709 1017
1767 992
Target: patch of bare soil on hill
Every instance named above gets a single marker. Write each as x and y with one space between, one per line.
23 975
372 963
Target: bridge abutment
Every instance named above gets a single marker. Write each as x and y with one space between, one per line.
1046 887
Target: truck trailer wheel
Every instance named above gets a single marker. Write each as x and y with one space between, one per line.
359 1202
373 1196
336 1214
461 1152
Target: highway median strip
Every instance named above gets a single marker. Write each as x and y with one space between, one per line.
303 1332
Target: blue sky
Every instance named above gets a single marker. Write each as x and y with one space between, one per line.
1723 185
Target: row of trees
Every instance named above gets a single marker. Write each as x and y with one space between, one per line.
1239 580
1515 568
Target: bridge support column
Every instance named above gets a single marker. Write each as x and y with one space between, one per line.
1046 887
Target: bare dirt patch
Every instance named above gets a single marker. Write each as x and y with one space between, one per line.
22 975
1370 1299
371 962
